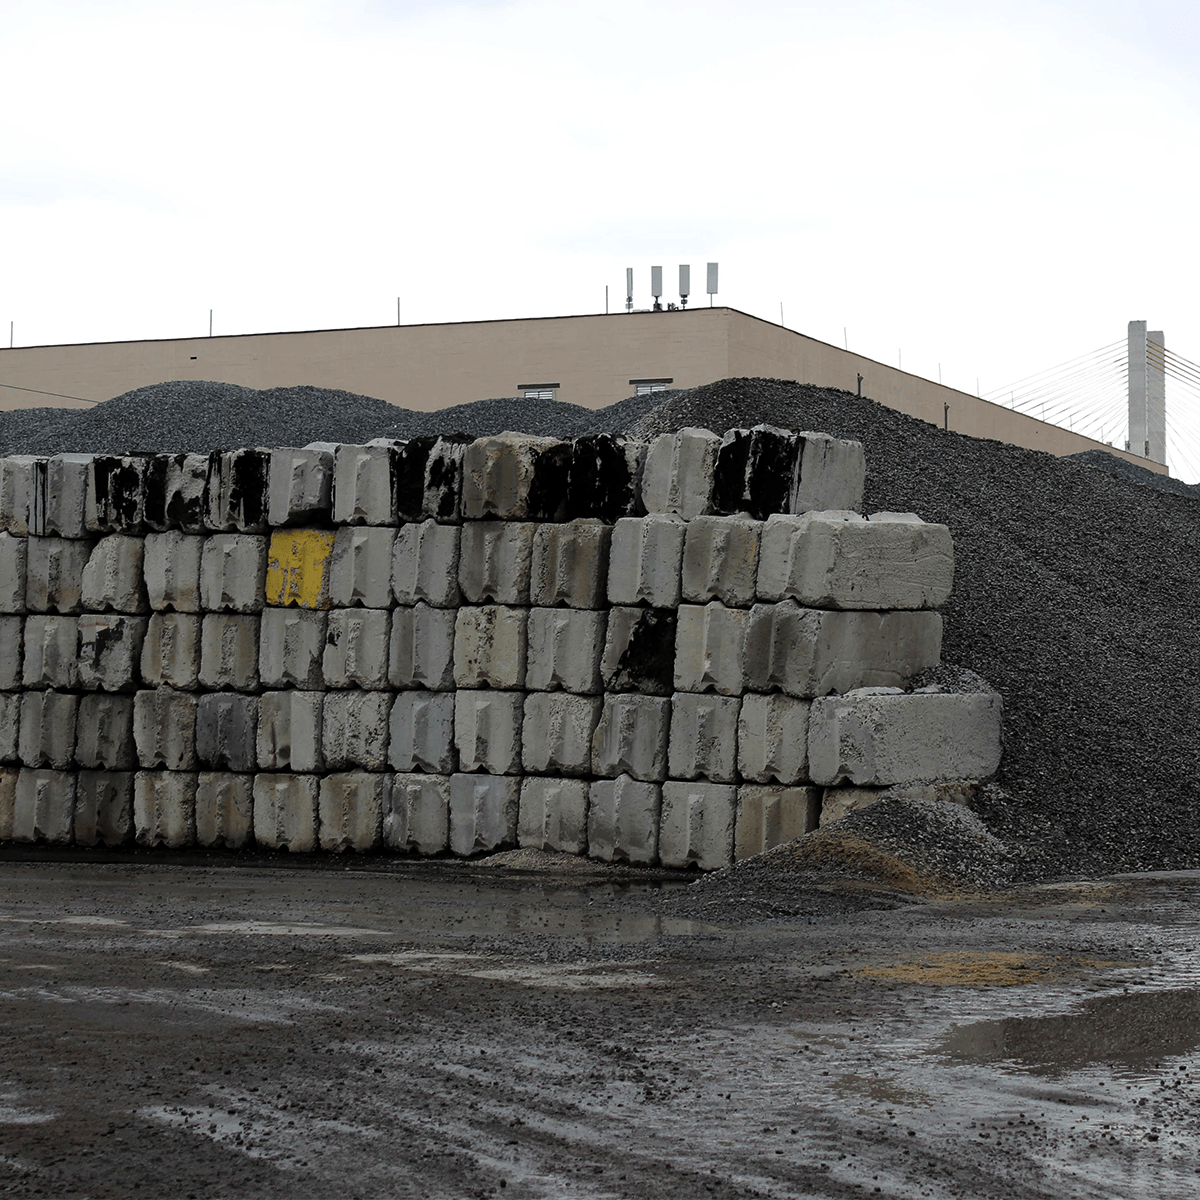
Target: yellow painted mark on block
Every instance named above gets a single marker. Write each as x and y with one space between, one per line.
298 568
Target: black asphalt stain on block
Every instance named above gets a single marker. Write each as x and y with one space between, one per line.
648 663
755 472
602 480
547 499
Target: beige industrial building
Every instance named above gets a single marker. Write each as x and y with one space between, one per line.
587 360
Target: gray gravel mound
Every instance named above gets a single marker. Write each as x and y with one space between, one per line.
1122 466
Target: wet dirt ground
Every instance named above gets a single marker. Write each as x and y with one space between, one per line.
445 1030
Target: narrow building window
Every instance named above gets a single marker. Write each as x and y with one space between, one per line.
538 391
643 387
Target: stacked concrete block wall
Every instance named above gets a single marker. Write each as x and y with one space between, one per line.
678 653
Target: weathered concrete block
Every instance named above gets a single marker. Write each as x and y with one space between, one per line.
229 652
356 648
171 650
425 562
557 733
237 491
696 826
553 815
417 818
47 734
10 727
757 471
489 647
710 649
104 733
110 652
569 564
300 487
703 741
427 479
564 650
639 651
233 571
171 564
678 475
422 733
350 811
631 737
175 488
808 652
23 495
164 729
720 560
226 731
115 497
421 650
8 801
298 568
495 561
645 559
112 578
773 739
623 816
285 812
54 574
224 809
12 637
291 647
289 731
360 571
839 802
832 472
515 477
769 816
164 808
66 494
44 807
483 813
869 737
103 808
605 477
354 730
487 730
51 646
14 557
362 484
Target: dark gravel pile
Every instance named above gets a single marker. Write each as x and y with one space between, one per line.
1131 471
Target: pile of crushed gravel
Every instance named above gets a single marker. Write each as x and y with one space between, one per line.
1122 466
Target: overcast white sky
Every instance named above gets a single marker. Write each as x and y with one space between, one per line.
995 187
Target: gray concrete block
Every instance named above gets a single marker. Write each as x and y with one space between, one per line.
703 740
487 731
44 807
171 650
605 477
171 563
720 560
66 494
632 736
104 733
233 570
553 815
164 729
14 557
871 738
103 808
697 824
237 491
8 801
164 808
12 638
645 560
10 727
54 574
224 809
110 652
495 562
516 477
356 648
428 478
421 734
47 733
51 649
768 816
22 495
678 475
832 471
289 731
350 810
226 731
757 471
363 484
300 487
710 649
291 646
483 813
569 564
489 647
112 579
425 564
809 652
564 650
421 649
229 652
285 812
557 733
417 818
175 492
623 816
639 651
115 498
360 571
773 739
354 730
839 802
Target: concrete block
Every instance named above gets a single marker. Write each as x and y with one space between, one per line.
298 568
839 802
350 811
425 563
51 646
171 650
632 736
8 801
428 478
54 574
23 495
697 824
291 645
360 571
645 560
678 476
237 491
421 650
362 484
832 471
553 815
557 733
229 652
356 648
569 565
66 494
773 739
489 647
710 646
224 809
703 742
175 488
103 808
487 731
623 816
808 652
869 737
104 733
226 731
14 557
564 650
354 730
299 487
44 807
233 571
164 729
115 498
289 731
515 477
720 560
483 813
10 727
171 563
417 817
112 579
164 808
639 651
605 477
757 471
110 652
12 636
495 562
421 734
768 816
285 812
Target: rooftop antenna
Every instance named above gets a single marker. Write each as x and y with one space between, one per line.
656 287
629 289
685 284
712 282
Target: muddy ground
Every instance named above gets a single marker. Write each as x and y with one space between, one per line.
449 1030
